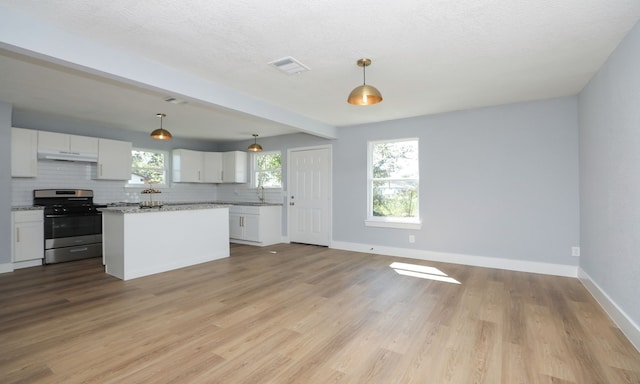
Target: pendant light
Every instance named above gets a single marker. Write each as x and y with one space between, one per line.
161 133
364 94
255 147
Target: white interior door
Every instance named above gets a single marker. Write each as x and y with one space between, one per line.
310 195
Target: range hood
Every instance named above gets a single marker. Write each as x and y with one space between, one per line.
67 156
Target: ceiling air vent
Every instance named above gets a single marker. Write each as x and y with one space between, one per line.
173 100
289 65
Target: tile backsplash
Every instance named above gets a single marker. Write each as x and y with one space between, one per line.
77 175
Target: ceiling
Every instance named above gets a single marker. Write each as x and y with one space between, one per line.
115 62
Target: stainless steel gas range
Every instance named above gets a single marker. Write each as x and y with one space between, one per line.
72 224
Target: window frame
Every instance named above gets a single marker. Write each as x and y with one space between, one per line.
254 168
167 157
390 221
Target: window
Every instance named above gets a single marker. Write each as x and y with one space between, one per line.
393 184
267 169
148 167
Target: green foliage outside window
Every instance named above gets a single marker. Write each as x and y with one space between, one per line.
147 167
394 179
268 170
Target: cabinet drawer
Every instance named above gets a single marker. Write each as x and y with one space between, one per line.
244 209
60 255
28 216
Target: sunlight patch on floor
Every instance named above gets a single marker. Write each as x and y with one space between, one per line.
422 272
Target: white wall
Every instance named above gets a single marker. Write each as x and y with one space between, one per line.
609 110
496 182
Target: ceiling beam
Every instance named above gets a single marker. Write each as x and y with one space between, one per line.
27 36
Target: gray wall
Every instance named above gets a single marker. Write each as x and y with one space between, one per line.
609 110
5 183
498 182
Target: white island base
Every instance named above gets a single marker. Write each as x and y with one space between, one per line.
139 242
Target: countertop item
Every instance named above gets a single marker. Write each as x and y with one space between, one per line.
27 208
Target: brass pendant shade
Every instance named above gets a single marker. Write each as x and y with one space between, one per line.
364 94
161 133
255 147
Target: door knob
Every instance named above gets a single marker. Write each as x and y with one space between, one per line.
292 203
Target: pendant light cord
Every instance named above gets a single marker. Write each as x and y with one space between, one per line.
364 75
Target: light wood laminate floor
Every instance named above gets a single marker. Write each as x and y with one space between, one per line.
304 314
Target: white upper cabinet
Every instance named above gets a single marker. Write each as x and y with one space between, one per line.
53 141
234 168
114 160
188 166
209 167
24 152
61 142
83 144
212 167
113 157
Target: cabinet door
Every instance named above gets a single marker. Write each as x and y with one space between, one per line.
212 167
24 152
187 166
114 160
53 141
83 144
234 167
251 225
29 241
236 230
28 236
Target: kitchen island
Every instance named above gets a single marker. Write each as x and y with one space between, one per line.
143 241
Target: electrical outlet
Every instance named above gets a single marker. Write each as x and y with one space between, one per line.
412 239
575 251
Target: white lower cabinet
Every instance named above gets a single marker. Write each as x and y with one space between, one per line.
28 238
255 225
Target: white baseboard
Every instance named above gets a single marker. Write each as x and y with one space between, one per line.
456 258
626 325
27 264
6 267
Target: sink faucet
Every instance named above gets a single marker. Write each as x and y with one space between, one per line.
260 192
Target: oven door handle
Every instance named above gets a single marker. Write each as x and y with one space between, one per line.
58 216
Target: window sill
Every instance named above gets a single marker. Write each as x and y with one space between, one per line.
399 224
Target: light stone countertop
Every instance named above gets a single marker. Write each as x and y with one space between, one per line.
164 208
27 208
